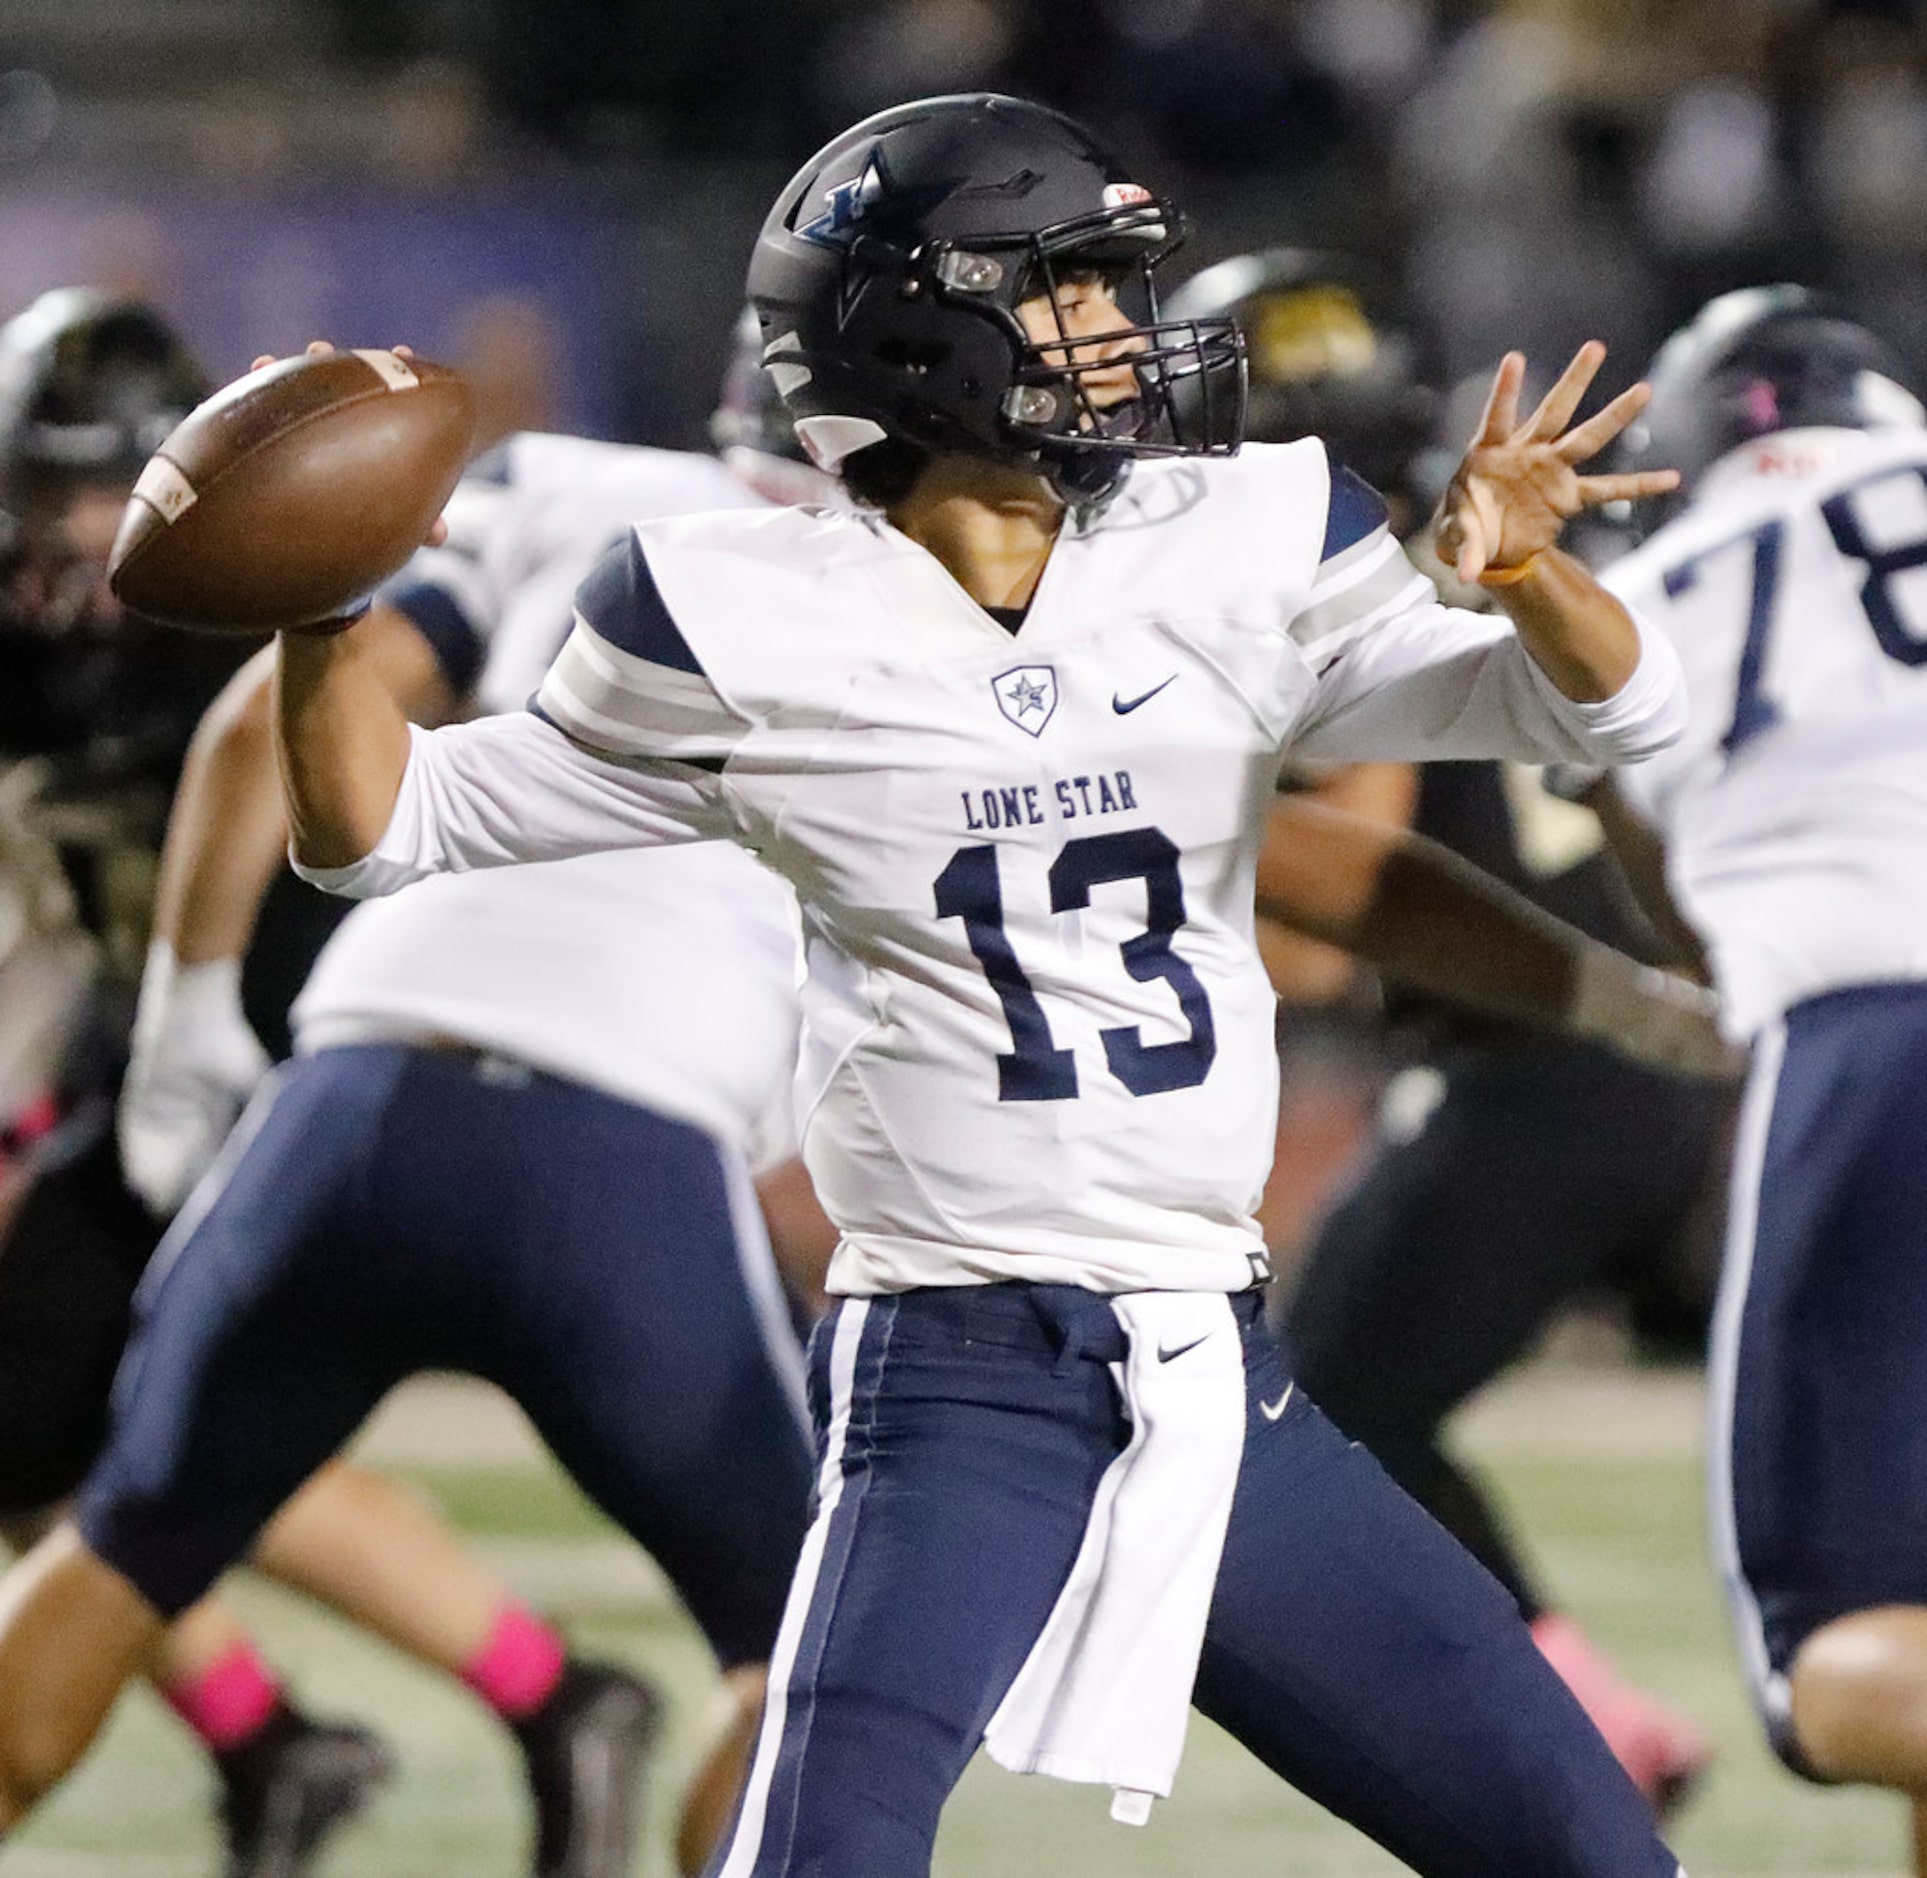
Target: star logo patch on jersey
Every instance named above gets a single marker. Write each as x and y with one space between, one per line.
1027 695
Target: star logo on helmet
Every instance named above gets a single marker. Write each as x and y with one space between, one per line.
848 204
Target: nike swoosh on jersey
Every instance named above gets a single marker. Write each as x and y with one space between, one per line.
1125 706
1272 1410
1171 1356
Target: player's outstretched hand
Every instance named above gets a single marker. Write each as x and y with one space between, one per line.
1518 485
315 348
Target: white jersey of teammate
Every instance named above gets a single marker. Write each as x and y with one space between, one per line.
1795 807
1038 1040
668 979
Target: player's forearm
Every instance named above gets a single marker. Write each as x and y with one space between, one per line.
1437 924
1430 920
1642 859
342 744
228 829
1578 634
1417 912
1304 971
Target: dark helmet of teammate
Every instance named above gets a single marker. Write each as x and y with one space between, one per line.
752 430
1329 355
1755 361
750 413
888 275
90 383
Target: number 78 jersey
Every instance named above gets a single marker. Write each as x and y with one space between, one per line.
1795 807
1038 1038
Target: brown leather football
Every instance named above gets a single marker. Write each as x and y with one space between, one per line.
291 494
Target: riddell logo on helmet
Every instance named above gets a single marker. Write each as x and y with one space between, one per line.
1122 195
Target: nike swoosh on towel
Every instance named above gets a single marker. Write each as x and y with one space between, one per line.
1171 1356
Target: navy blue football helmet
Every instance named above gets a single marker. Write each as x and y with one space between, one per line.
888 275
1330 353
1755 361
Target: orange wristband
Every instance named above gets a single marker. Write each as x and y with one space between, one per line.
1506 576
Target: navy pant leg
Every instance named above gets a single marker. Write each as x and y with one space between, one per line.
263 1339
617 1284
1360 1652
962 1447
1819 1392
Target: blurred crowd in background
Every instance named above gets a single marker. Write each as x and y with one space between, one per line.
563 191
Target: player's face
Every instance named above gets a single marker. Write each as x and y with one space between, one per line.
58 579
1081 324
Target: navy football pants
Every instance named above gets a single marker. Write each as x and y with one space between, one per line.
1819 1388
389 1209
1353 1646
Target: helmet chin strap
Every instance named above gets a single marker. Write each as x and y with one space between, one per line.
1087 480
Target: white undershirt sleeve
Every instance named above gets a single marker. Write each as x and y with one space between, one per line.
514 788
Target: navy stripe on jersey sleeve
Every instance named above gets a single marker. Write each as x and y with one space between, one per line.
1356 509
1363 577
492 466
620 603
437 615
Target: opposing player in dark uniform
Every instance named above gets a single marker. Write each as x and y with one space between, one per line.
1513 1171
96 714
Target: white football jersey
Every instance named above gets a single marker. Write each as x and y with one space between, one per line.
669 978
1795 807
1038 1040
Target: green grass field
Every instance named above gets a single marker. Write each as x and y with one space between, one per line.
1600 1468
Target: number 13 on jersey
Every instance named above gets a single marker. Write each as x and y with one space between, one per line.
1036 1069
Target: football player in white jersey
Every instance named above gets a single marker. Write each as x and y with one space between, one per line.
516 1138
1794 820
1012 733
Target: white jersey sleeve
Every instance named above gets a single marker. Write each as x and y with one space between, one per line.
623 749
1400 674
514 788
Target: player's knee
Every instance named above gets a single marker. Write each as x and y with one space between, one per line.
1859 1698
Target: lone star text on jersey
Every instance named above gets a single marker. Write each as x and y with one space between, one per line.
1021 805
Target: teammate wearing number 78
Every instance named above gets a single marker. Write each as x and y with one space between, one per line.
1794 822
1011 726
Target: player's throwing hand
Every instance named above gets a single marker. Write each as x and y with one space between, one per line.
1518 484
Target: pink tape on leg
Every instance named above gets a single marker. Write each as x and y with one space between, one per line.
517 1668
228 1701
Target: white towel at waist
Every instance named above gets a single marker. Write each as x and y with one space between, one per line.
1105 1694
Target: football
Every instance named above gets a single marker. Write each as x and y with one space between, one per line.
290 495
